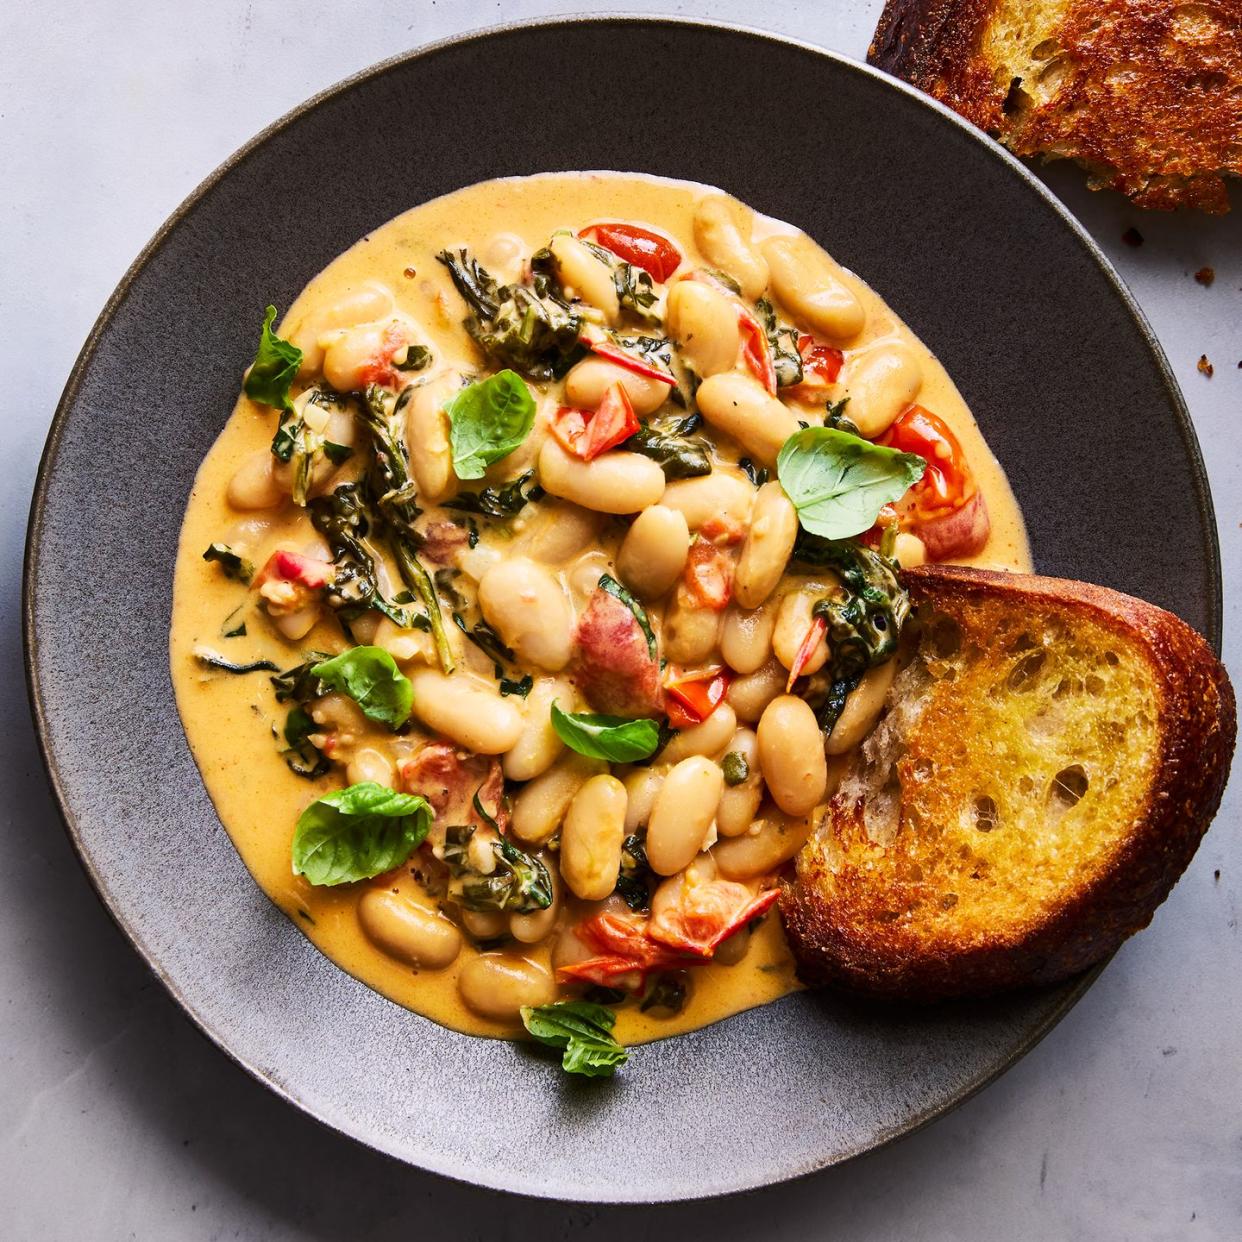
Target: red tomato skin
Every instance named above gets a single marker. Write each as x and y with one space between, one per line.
694 700
612 424
307 571
755 351
947 483
656 255
709 575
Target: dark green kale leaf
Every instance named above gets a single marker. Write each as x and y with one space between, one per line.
632 880
519 883
499 502
669 441
863 628
232 565
528 327
783 344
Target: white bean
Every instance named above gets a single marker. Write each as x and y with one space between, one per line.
682 815
538 746
427 438
812 288
538 924
772 840
586 275
653 552
862 709
559 531
350 352
589 379
794 618
740 406
690 630
465 709
708 738
395 925
910 551
369 764
496 985
791 755
739 803
881 382
616 482
723 496
746 637
255 485
591 838
540 805
704 324
767 547
722 232
296 625
405 646
367 302
484 924
750 695
529 609
641 787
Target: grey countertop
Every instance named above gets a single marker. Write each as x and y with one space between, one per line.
117 1120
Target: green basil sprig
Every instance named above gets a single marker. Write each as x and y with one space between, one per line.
606 737
274 368
358 832
618 592
839 482
488 420
582 1032
370 676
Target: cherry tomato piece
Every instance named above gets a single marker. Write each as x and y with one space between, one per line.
656 255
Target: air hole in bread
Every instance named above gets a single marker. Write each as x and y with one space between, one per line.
1068 787
1026 785
1046 50
1112 659
944 640
986 814
1024 674
948 901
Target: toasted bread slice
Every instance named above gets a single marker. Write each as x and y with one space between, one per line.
1146 93
1050 756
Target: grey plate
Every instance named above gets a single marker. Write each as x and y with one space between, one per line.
1048 348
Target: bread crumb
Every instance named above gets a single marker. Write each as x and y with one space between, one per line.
410 273
1205 276
1205 367
1132 237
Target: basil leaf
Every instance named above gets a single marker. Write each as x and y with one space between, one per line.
838 482
274 368
581 1031
488 420
369 675
357 832
233 565
606 737
617 591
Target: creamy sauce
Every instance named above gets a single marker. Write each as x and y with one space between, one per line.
231 721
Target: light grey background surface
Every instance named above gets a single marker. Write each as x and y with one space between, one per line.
117 1120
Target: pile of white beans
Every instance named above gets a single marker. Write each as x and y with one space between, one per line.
533 578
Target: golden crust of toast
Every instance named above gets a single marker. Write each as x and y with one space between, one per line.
909 919
1146 93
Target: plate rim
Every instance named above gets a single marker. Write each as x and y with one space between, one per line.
428 1161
